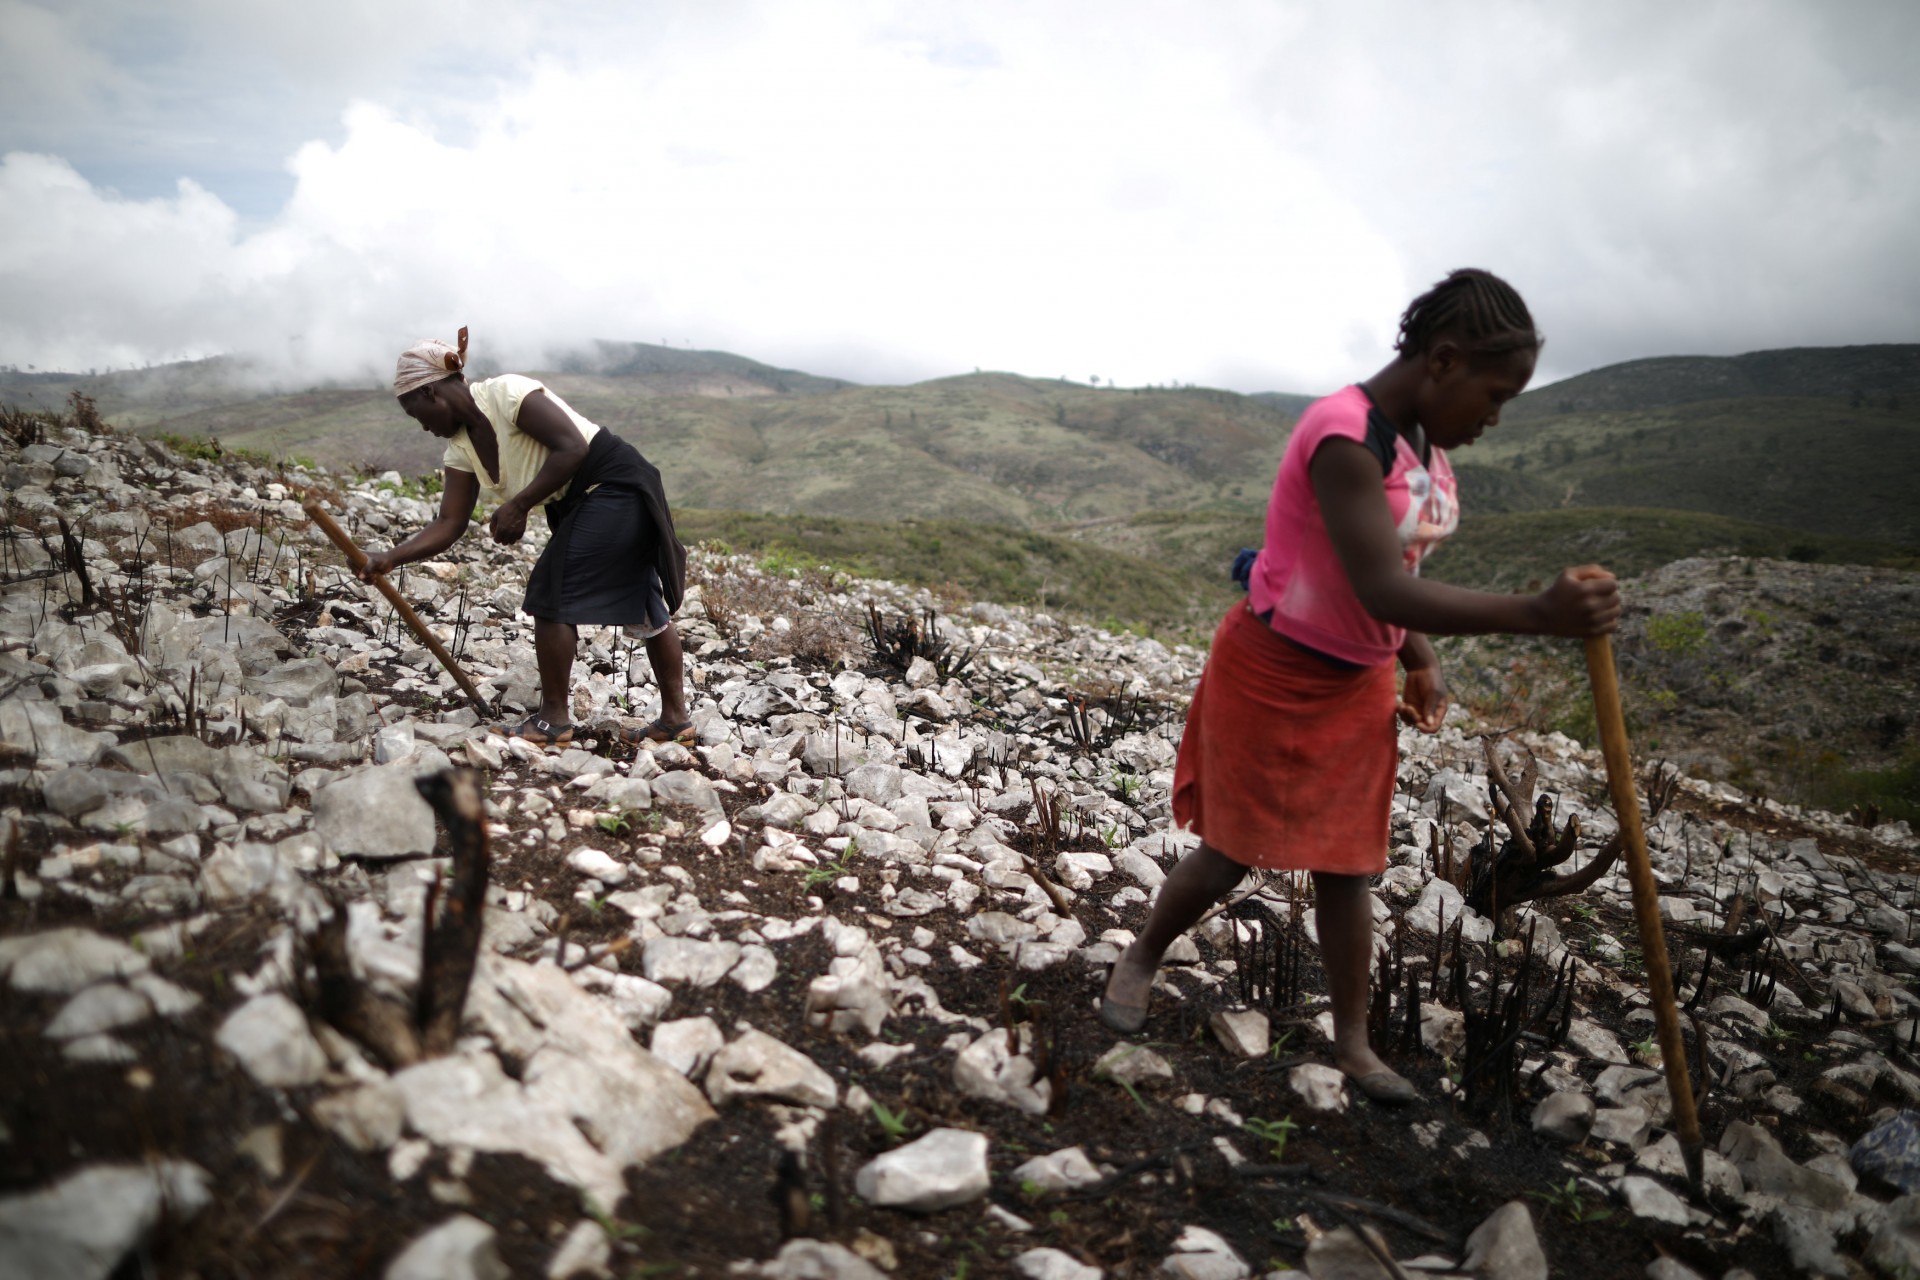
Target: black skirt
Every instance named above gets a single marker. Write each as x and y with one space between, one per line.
602 567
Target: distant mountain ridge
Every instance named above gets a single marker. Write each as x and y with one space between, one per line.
1666 381
1800 452
680 371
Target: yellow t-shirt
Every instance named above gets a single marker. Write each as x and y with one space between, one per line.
521 456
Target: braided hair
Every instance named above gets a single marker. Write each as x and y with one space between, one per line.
1479 308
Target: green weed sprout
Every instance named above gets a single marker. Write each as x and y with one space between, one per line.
1568 1200
1273 1132
892 1123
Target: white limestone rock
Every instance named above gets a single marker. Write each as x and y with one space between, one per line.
61 961
270 1038
598 865
989 1069
367 1118
468 1101
83 1225
1245 1033
758 1066
377 813
687 1044
693 961
945 1168
1319 1087
1564 1116
817 1260
1646 1198
1505 1245
461 1248
1064 1170
1053 1264
106 1006
586 1252
1132 1064
1200 1254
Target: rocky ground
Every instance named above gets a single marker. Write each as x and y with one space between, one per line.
1779 676
814 995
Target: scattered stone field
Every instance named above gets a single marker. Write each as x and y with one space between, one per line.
813 995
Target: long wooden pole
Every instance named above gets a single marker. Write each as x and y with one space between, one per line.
357 559
1646 898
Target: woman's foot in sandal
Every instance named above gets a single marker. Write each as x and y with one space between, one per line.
1388 1088
1375 1080
542 733
1123 1004
660 730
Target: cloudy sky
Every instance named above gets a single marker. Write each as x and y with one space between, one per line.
1231 194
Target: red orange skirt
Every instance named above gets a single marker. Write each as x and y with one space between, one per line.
1287 761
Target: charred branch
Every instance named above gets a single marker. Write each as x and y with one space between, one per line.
452 938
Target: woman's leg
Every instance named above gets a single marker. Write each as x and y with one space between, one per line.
553 647
669 671
1343 916
1200 879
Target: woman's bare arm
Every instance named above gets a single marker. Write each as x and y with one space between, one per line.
542 419
1346 480
457 498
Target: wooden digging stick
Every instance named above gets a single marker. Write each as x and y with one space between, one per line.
1646 899
357 559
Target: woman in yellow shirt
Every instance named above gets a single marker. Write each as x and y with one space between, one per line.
614 559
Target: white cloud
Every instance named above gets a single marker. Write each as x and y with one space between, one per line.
882 193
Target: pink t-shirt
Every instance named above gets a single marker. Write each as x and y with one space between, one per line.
1298 574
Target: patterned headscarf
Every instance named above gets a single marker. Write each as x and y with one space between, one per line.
426 361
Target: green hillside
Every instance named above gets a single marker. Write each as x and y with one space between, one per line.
1798 462
979 561
1497 551
1864 373
990 447
1792 453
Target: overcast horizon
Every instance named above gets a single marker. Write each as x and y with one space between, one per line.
1244 196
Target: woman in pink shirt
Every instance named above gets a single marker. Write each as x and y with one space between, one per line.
1290 748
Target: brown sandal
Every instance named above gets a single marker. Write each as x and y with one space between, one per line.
659 731
542 734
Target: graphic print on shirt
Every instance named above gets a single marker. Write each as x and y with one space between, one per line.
1432 514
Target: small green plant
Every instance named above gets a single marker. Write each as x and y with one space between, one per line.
1646 1048
1568 1200
1126 784
612 823
1031 1189
1679 634
1273 1132
417 487
782 562
207 450
827 874
1279 1043
1111 836
616 1229
892 1123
